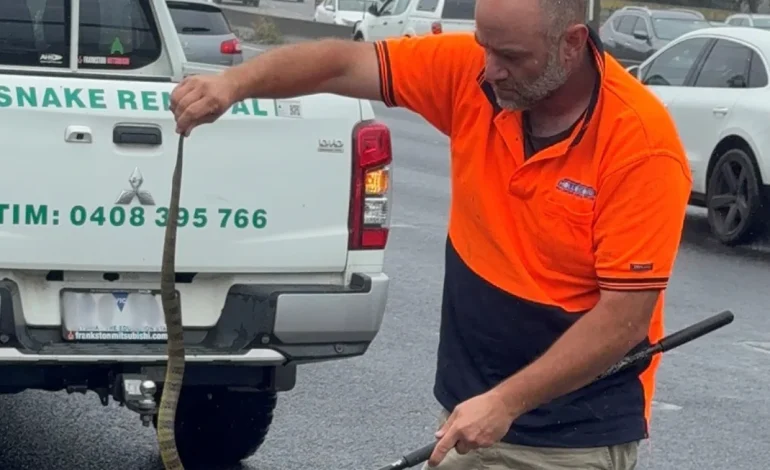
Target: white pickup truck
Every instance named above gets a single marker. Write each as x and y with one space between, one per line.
282 231
393 18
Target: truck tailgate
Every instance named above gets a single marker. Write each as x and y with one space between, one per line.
88 174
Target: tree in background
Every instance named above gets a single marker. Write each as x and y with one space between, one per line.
752 6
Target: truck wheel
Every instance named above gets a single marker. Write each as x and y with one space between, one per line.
733 198
218 427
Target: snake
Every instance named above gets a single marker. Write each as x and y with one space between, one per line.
172 311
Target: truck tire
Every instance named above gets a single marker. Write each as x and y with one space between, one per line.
218 427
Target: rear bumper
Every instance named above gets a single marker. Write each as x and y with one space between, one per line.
261 325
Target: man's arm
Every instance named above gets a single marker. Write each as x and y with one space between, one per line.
422 74
640 215
348 68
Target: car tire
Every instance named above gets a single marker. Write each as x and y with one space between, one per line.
734 198
218 427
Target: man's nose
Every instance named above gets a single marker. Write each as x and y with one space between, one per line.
493 71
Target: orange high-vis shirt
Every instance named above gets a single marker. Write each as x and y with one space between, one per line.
534 239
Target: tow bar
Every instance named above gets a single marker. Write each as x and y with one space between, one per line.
137 393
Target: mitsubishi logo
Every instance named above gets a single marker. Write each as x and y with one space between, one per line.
127 195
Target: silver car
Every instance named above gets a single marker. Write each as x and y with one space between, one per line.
205 33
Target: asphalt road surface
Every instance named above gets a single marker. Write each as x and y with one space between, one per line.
302 10
712 410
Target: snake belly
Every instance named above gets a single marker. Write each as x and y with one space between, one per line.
172 312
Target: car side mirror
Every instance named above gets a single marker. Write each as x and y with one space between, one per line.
737 81
373 10
641 35
633 70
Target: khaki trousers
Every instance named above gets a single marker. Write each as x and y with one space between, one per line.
504 456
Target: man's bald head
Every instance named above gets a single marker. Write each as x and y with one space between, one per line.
561 14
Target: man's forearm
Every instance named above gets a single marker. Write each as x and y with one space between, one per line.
594 343
292 70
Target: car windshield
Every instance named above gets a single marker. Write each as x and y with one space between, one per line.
354 5
672 28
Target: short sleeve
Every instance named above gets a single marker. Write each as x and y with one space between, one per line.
425 74
640 211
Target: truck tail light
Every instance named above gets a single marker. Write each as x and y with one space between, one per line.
436 28
369 219
231 46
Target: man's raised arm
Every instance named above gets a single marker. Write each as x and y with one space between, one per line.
329 66
420 73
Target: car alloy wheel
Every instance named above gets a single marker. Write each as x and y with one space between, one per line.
733 198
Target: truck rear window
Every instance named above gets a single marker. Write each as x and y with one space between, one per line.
205 20
114 34
459 10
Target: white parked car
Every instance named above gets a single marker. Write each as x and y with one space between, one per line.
390 18
714 83
752 20
342 12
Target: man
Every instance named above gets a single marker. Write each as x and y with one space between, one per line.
569 188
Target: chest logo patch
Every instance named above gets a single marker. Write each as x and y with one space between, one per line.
576 189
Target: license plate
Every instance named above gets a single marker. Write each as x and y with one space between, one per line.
107 315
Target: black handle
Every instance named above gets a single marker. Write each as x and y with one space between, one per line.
137 135
697 330
419 456
412 459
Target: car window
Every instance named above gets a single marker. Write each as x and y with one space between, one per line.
734 21
671 67
117 34
616 22
726 66
427 5
114 34
197 19
459 10
394 7
34 33
757 72
671 28
627 24
641 27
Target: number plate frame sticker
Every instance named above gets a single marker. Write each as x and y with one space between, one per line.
112 315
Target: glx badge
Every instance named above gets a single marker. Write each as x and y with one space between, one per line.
331 145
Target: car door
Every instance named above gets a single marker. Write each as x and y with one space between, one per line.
640 44
667 74
623 37
376 26
705 108
394 24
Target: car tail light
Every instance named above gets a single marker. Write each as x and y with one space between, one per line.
231 46
369 220
436 28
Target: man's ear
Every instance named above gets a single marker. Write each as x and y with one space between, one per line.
573 43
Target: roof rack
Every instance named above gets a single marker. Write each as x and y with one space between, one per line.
688 10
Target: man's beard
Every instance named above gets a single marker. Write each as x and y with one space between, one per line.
530 93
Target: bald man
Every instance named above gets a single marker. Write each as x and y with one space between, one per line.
569 189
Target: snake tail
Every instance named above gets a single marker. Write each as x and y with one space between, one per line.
172 311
